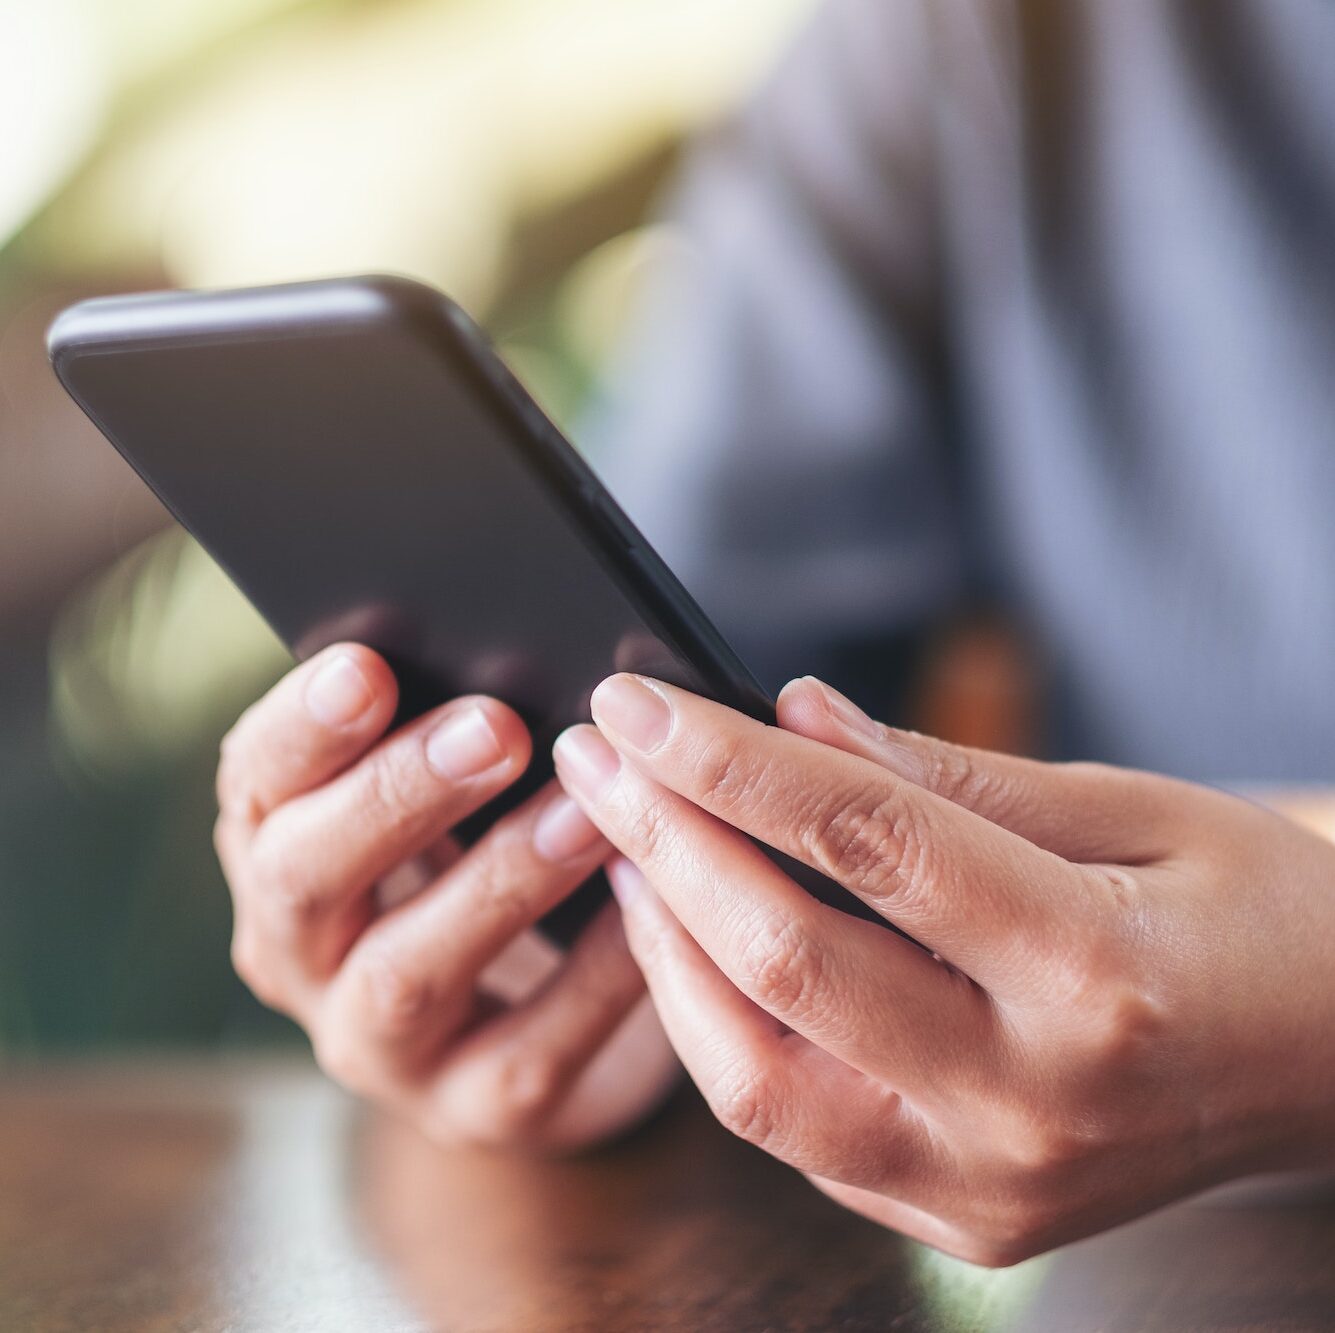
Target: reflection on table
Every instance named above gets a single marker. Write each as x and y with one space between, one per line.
253 1196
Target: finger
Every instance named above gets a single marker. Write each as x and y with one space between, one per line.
271 973
851 987
508 1079
408 984
1082 812
623 1083
769 1086
315 721
325 850
973 892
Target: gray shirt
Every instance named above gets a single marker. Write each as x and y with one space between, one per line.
1029 302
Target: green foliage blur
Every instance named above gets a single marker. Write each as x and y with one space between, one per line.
509 151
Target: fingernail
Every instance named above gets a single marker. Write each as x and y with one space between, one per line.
634 710
563 831
629 885
338 694
464 746
846 711
892 749
586 762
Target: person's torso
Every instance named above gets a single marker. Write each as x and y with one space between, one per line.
1140 205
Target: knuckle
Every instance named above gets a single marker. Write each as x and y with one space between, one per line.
1042 1156
500 1100
743 1102
396 1001
526 1086
503 886
952 773
1123 895
955 774
282 874
726 778
393 788
1130 1024
871 842
780 968
1115 1021
648 831
1117 1041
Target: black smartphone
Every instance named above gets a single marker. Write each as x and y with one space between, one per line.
358 459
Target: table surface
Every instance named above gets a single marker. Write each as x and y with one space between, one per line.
234 1196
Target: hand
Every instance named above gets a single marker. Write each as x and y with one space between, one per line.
409 961
1124 993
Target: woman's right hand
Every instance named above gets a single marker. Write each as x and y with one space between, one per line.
412 963
1128 996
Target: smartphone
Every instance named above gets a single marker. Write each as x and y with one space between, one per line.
364 467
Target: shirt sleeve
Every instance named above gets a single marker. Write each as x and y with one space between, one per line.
778 423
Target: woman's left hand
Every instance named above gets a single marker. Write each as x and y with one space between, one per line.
1126 990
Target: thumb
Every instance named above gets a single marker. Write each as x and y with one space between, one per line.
1083 812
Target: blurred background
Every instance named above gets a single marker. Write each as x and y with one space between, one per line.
508 151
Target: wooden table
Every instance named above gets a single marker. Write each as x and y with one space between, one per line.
225 1196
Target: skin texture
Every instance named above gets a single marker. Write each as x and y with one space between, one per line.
1122 993
410 961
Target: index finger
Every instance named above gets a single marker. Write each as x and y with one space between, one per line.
318 719
857 991
975 893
